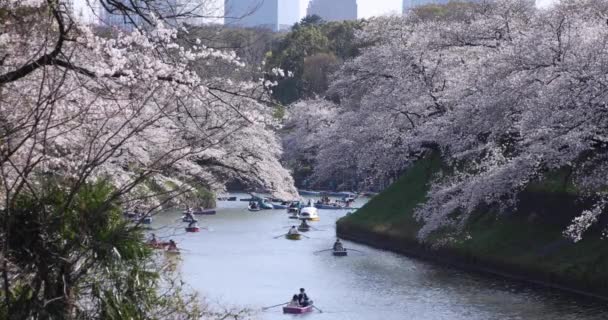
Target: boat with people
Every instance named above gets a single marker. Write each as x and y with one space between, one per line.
141 219
309 213
201 211
279 205
253 206
303 227
340 253
265 204
293 236
297 309
331 206
188 219
193 229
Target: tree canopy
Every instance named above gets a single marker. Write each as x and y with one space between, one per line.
506 93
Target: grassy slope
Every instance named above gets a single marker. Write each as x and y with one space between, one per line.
528 242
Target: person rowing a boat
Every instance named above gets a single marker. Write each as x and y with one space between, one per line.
190 216
295 302
303 298
172 246
293 230
304 225
153 241
338 246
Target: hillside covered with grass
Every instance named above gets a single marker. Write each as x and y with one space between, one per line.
527 243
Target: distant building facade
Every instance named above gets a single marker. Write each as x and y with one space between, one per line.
333 10
270 14
171 11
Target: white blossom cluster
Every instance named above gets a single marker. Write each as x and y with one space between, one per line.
504 91
127 106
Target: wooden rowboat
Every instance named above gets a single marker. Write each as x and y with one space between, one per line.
204 212
297 310
293 236
340 253
303 228
157 245
172 252
193 229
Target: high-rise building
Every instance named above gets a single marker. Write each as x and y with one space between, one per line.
333 10
173 12
271 14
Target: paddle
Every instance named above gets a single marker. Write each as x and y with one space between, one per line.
276 305
323 250
321 311
307 237
354 250
280 236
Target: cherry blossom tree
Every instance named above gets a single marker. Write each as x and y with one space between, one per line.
96 121
505 92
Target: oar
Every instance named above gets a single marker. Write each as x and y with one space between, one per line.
354 250
321 311
307 237
322 250
276 305
280 236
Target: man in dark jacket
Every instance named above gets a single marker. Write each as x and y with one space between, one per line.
303 298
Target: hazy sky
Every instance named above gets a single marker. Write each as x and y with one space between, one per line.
367 8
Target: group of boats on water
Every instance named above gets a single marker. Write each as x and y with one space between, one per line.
304 211
258 203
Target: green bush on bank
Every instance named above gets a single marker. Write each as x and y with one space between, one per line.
528 242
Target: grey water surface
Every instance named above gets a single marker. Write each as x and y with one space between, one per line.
236 262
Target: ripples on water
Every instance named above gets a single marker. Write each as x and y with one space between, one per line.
239 263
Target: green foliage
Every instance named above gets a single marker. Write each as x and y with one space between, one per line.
529 241
391 210
71 254
323 45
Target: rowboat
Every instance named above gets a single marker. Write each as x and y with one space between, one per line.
142 220
303 228
297 310
294 216
329 206
340 253
172 252
157 245
193 229
204 212
279 206
293 236
186 219
309 193
265 205
226 198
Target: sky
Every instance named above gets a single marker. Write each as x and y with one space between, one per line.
367 8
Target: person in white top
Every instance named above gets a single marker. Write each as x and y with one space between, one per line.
293 230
